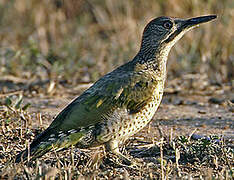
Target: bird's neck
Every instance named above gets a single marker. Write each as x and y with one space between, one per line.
154 58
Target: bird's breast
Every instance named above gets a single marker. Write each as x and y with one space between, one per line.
142 118
122 125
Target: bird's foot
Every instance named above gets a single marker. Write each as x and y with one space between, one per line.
117 157
119 160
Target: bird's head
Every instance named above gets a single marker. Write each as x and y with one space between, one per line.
165 31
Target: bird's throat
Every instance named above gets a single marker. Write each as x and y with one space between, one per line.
154 59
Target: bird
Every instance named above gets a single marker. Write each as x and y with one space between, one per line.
120 103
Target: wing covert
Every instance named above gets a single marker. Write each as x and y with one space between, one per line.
128 91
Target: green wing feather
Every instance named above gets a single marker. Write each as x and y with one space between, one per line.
125 90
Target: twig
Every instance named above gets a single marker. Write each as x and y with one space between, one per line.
177 156
159 130
11 93
161 157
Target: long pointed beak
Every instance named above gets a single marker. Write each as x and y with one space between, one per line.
183 25
198 20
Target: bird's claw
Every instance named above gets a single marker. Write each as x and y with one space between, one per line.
122 161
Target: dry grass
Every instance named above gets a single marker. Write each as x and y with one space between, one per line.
48 47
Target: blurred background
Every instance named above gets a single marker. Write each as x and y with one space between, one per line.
77 41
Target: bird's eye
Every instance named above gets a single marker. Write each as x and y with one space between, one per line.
167 24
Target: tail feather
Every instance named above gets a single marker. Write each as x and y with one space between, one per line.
35 147
23 155
48 140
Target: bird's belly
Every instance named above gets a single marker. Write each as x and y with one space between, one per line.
126 125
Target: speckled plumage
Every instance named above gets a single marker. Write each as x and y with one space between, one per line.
120 103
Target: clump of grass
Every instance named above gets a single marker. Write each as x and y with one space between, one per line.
186 156
208 151
14 123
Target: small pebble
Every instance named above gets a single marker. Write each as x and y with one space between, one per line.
202 112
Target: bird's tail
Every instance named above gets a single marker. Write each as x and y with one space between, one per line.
46 141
